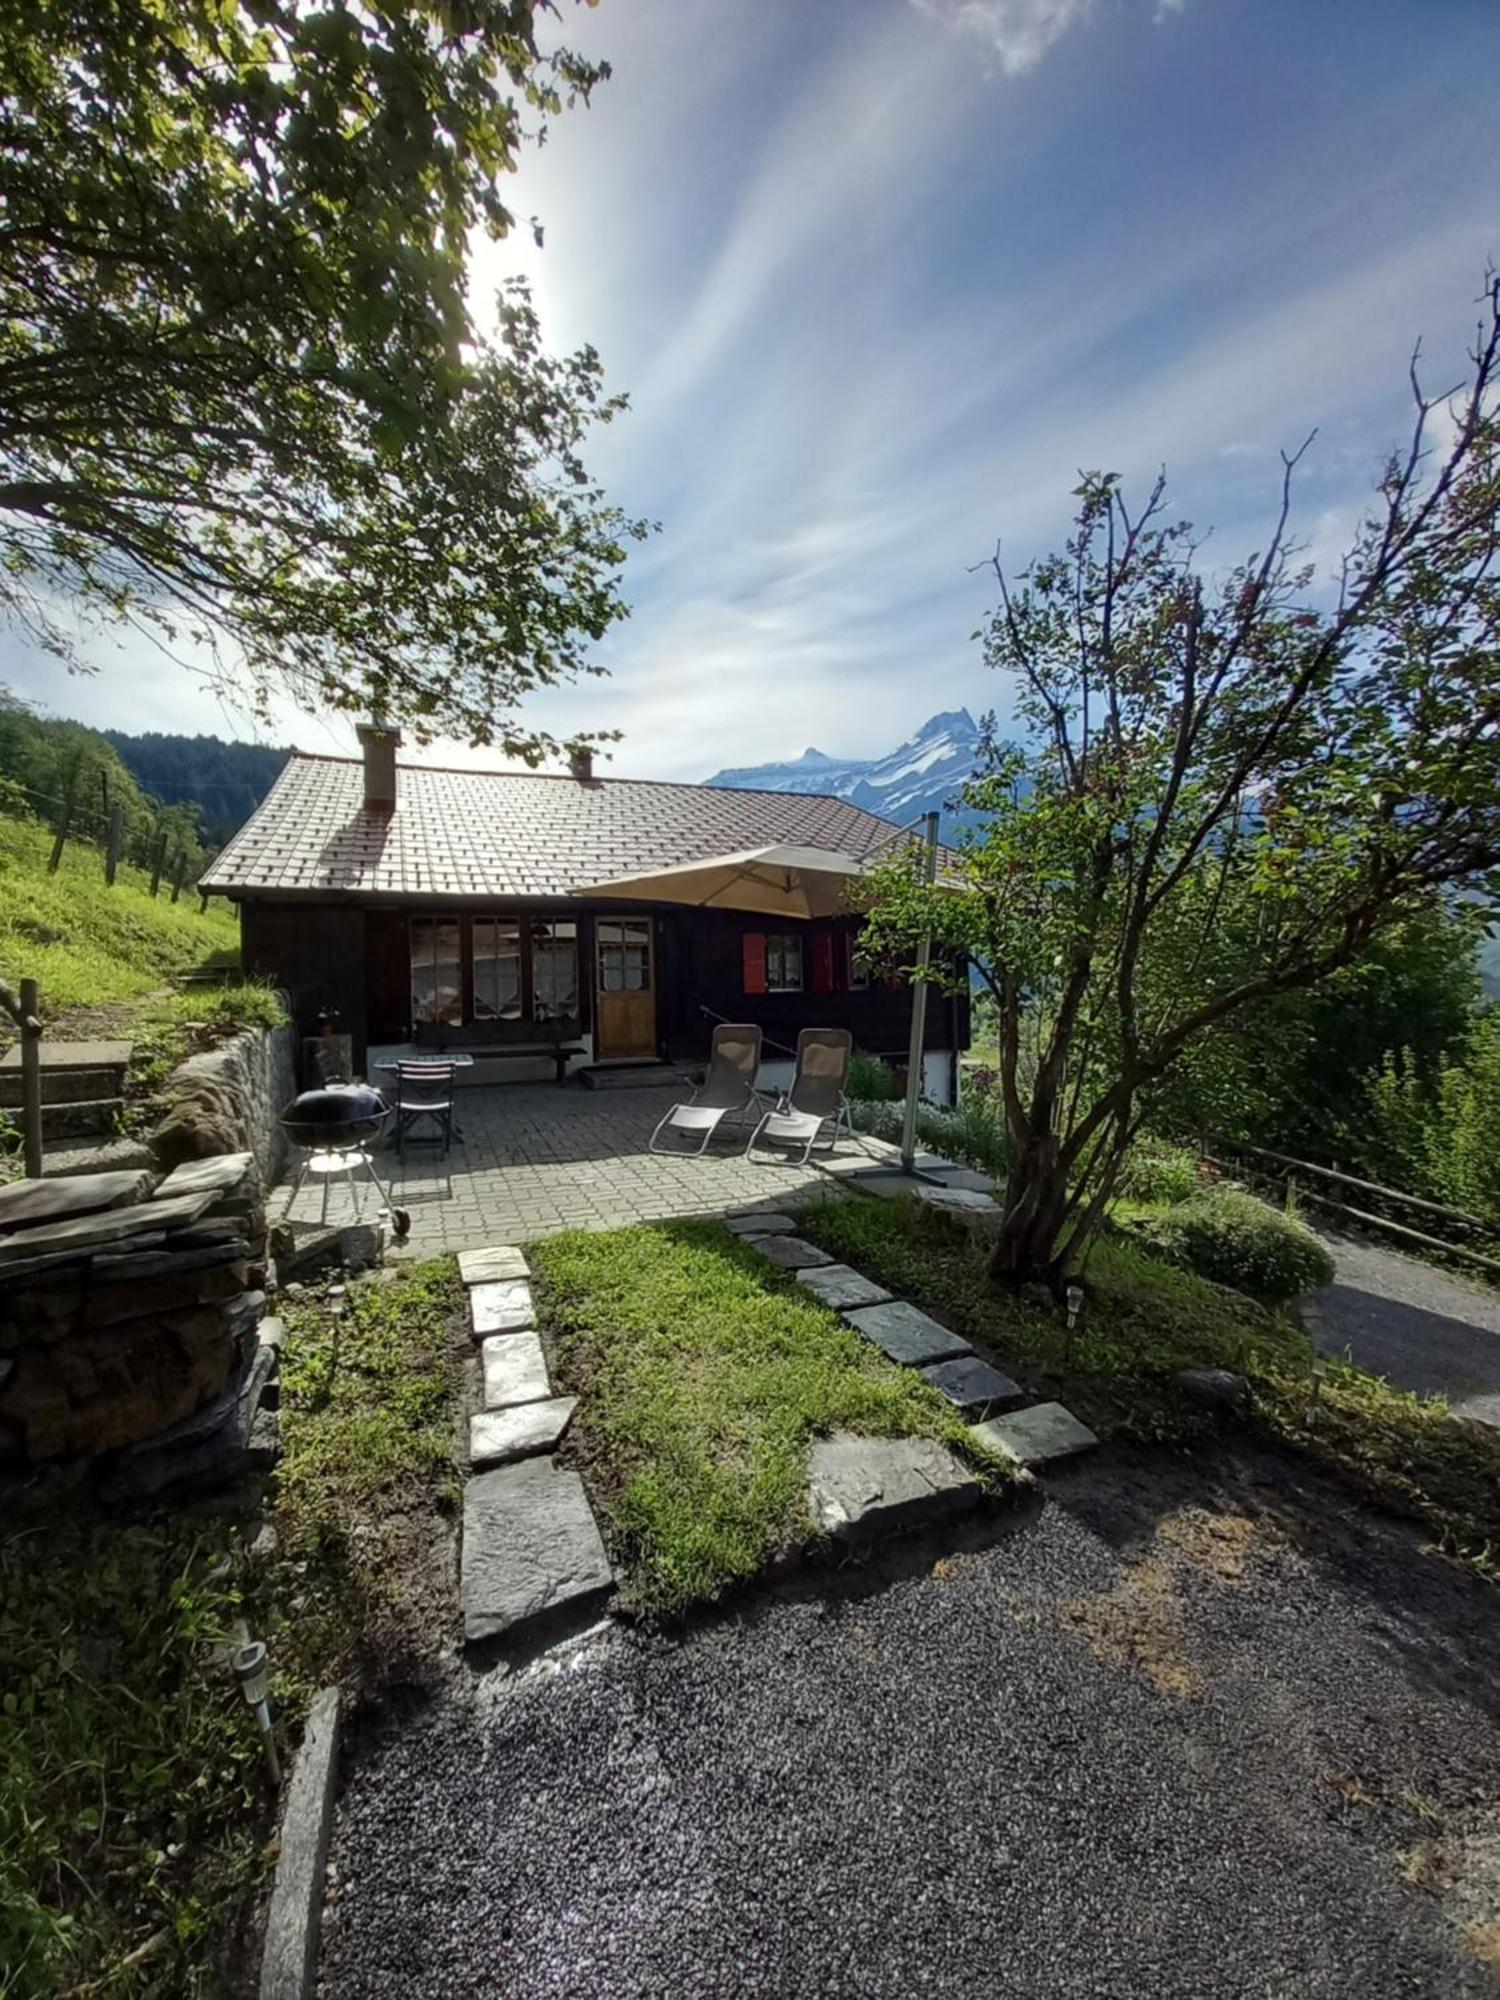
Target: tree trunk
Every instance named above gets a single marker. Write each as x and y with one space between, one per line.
1027 1249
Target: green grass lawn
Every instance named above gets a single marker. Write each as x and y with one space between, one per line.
87 943
703 1372
1144 1320
134 1813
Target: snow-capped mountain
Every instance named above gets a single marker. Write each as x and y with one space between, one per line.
924 775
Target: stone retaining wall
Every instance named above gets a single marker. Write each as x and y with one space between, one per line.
125 1307
229 1100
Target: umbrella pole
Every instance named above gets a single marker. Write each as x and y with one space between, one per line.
919 1005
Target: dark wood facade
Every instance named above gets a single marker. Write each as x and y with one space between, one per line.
355 959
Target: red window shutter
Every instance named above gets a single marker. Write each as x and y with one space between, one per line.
822 962
754 947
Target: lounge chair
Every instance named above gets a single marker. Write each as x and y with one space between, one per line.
727 1090
816 1097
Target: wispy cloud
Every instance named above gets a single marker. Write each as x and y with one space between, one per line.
1020 32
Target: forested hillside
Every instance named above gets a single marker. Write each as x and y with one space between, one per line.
226 781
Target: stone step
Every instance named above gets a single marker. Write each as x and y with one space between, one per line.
841 1287
96 1156
759 1222
1036 1436
58 1055
515 1371
498 1265
62 1086
533 1564
790 1252
906 1334
496 1437
860 1488
78 1120
974 1389
503 1307
632 1076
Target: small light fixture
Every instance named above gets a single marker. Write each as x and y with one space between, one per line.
1075 1305
253 1675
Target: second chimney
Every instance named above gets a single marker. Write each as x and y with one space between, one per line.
379 743
581 763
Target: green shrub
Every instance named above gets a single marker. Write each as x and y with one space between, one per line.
972 1133
870 1079
1236 1240
1155 1171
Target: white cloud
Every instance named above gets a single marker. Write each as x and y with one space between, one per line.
1019 31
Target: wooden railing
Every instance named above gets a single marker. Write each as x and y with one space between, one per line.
1284 1170
24 1008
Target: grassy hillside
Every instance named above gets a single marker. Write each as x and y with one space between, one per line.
87 943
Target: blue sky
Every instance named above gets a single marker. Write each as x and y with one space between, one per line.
880 276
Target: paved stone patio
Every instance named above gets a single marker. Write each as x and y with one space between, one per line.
536 1159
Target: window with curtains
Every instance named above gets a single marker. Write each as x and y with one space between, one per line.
469 970
783 962
437 970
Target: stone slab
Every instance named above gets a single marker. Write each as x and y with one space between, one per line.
970 1179
886 1186
506 1307
88 1232
72 1055
860 1488
974 1388
496 1437
26 1202
216 1175
851 1166
839 1286
791 1252
118 1268
289 1957
515 1371
533 1560
760 1222
953 1198
501 1264
1036 1436
906 1334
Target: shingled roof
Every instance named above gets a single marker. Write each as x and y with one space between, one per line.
464 835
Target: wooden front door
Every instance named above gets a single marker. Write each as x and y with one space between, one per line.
625 988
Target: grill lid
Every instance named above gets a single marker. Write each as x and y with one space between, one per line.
335 1104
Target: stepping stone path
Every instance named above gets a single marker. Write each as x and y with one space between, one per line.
515 1370
533 1562
861 1487
1035 1436
506 1307
533 1559
973 1387
757 1222
498 1436
907 1334
791 1253
840 1287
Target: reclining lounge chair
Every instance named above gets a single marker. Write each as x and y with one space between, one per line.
727 1090
816 1097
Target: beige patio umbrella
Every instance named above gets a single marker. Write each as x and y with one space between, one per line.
766 881
787 881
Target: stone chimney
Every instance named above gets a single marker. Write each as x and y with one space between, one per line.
379 743
581 763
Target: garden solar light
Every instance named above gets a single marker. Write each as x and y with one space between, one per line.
255 1685
1075 1305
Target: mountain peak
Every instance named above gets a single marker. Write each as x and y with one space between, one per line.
951 722
922 774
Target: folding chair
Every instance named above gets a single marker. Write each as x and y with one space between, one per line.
424 1091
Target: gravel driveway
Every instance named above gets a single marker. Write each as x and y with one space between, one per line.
1418 1326
1173 1731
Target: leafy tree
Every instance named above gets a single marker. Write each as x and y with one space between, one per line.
1293 1072
1230 790
241 392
